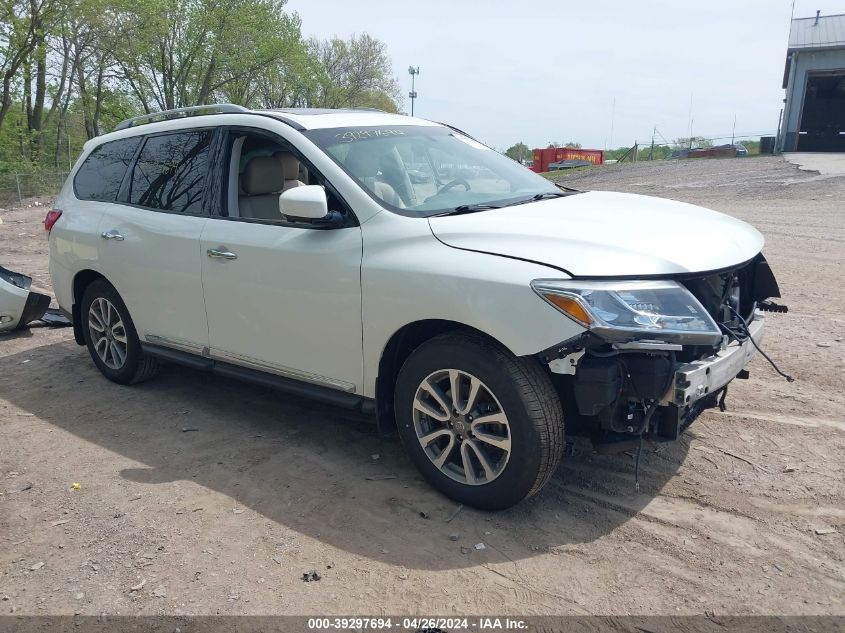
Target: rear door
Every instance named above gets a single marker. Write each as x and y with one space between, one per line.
149 247
286 298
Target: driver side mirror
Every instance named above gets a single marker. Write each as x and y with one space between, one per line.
307 203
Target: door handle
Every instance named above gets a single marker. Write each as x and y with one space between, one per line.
113 234
214 253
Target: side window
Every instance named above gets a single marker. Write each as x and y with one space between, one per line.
170 173
102 172
260 168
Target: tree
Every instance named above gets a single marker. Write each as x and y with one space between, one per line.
22 31
519 152
71 69
354 72
693 142
188 52
573 145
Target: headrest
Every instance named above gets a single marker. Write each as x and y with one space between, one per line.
290 165
262 176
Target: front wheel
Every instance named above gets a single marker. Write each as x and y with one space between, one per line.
111 337
483 426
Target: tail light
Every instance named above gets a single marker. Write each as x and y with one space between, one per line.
52 217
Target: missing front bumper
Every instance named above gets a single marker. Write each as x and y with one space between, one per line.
701 378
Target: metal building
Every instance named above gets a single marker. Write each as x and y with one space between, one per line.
814 79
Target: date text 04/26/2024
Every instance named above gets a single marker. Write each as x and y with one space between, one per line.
417 623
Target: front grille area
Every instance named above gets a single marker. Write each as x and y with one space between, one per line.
732 288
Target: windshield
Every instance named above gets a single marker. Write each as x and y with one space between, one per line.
428 170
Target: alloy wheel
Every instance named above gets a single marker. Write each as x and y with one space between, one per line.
461 427
108 335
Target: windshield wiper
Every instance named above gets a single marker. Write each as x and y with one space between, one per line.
550 194
541 196
472 208
565 188
468 208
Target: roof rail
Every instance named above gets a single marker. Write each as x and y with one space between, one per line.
178 113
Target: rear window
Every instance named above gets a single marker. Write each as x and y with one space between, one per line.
171 171
102 172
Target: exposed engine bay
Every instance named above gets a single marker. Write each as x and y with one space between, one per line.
619 393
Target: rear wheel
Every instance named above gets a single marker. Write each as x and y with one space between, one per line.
484 427
111 337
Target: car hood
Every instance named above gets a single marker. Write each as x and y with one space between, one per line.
604 234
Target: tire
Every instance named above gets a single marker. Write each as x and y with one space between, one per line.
521 455
130 367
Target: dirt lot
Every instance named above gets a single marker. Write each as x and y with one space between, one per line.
202 496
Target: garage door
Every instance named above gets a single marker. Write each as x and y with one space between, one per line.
823 116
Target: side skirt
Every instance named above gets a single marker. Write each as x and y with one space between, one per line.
287 385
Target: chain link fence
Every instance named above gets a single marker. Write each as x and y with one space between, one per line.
15 188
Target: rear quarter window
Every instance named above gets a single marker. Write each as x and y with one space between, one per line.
100 175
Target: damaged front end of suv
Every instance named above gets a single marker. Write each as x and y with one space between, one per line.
656 352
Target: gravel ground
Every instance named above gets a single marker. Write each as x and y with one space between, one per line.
198 495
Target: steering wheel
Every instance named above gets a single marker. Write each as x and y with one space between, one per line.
454 183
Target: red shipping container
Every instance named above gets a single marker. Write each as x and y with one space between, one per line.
542 157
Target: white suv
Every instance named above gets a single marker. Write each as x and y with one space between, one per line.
401 267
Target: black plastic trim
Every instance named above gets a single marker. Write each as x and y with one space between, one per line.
176 356
76 319
34 308
16 279
288 385
281 383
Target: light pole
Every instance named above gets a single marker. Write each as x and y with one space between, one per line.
413 94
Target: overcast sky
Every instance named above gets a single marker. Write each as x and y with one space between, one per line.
510 70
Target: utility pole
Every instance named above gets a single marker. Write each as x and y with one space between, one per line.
733 131
413 94
651 151
690 120
612 116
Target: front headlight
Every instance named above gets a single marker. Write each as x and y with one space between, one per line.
625 310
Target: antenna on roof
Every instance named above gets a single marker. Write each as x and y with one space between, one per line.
816 23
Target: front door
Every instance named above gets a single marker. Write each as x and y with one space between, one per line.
280 297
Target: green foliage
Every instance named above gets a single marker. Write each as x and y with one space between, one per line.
753 147
188 52
519 152
353 72
569 144
76 68
644 152
696 141
615 154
